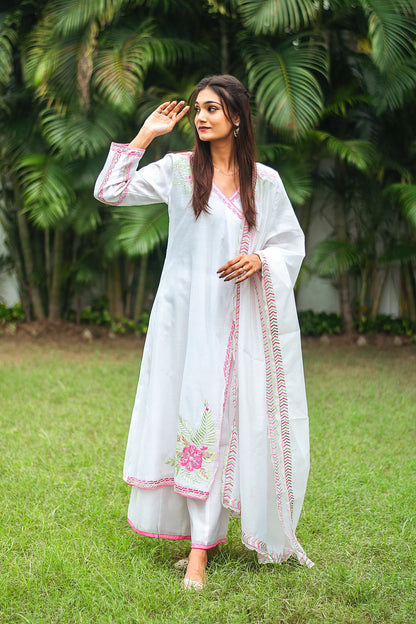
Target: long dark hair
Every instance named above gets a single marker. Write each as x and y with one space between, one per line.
235 100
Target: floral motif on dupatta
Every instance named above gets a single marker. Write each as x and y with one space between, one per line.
193 454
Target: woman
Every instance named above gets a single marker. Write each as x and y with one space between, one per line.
220 419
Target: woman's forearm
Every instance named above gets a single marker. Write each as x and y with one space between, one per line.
142 139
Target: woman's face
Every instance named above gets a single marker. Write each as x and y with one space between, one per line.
210 120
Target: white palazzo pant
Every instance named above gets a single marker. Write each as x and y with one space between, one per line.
164 513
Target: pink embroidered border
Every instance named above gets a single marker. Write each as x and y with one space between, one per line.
150 485
120 149
234 504
229 471
167 482
275 373
271 408
176 537
190 493
163 535
228 200
124 147
204 547
280 381
265 556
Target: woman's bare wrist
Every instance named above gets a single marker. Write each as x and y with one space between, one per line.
142 139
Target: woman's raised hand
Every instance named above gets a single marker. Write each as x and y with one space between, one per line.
161 121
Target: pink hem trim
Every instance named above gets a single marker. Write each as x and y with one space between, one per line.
149 485
126 146
164 535
203 547
191 493
167 482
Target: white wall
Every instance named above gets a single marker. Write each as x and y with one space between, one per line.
315 293
8 283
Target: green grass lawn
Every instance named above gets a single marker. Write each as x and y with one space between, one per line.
68 555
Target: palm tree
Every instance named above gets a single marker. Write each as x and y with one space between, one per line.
86 66
326 78
365 92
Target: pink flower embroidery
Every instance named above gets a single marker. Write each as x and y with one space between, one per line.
192 457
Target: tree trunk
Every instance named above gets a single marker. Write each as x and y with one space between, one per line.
114 289
378 294
47 252
85 65
141 290
344 301
409 294
78 308
132 291
224 45
35 295
363 299
344 279
55 289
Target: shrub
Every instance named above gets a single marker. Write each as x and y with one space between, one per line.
385 324
12 314
318 323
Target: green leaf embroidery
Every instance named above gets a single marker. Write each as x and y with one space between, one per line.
205 436
201 439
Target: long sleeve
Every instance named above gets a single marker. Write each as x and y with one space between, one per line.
121 184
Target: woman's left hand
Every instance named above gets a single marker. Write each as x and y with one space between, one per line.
240 268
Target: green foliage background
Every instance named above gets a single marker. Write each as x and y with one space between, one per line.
333 96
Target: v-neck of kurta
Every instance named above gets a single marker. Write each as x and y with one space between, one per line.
229 201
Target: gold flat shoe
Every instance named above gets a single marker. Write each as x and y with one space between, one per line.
190 584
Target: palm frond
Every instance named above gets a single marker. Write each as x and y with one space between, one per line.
269 16
142 228
405 194
396 84
169 51
50 64
343 99
391 30
295 172
74 135
401 252
269 152
69 17
296 178
85 216
288 93
47 190
8 39
330 258
358 153
122 65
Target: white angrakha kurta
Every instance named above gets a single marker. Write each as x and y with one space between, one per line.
220 411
